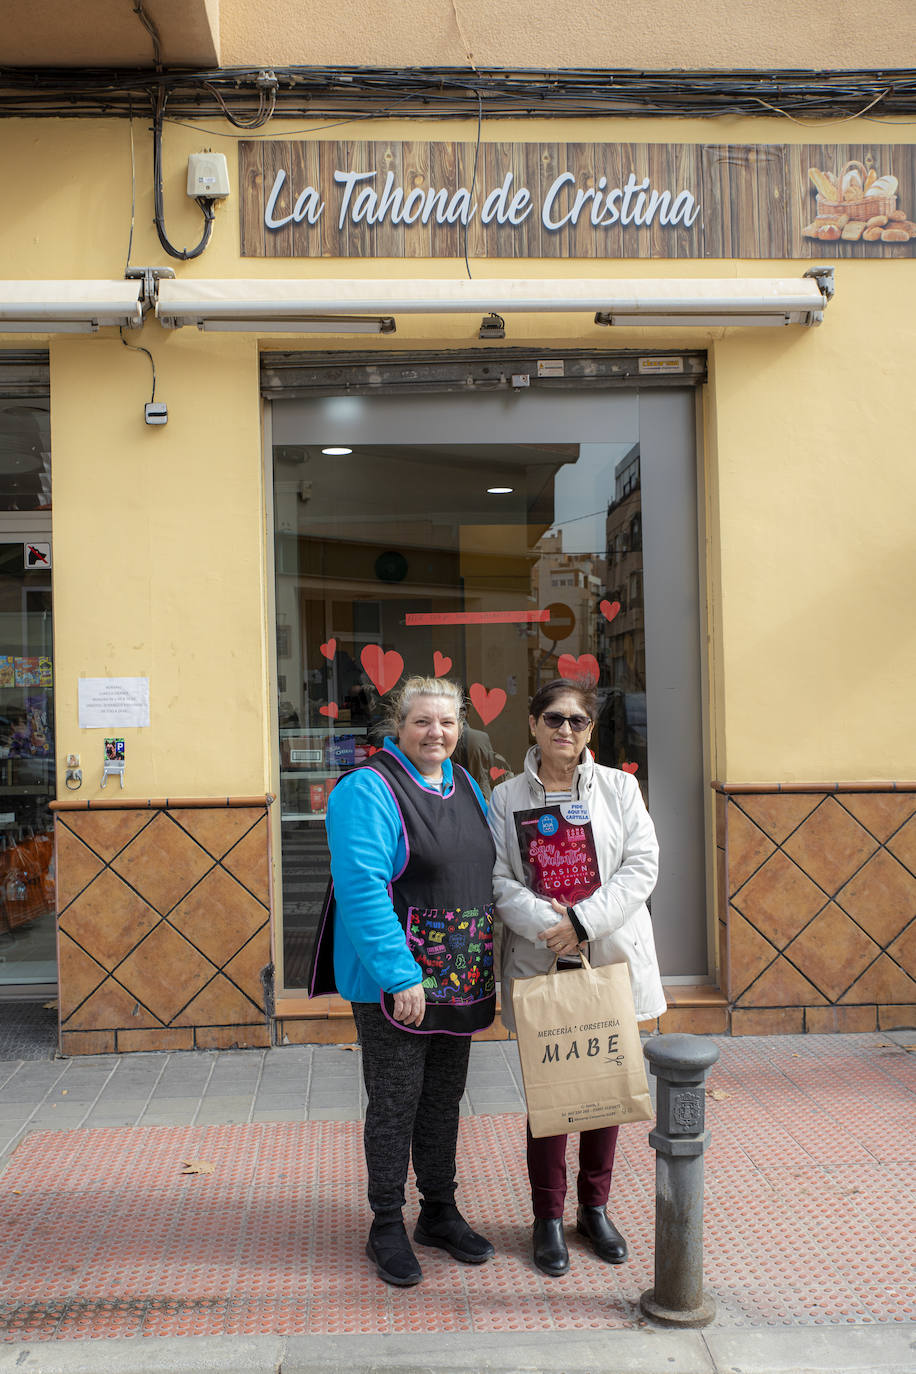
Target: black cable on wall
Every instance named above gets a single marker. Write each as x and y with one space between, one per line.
251 95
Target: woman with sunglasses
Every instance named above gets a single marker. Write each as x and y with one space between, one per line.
612 925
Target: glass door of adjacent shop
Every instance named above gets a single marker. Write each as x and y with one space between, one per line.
504 540
28 952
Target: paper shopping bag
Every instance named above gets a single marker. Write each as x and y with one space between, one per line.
578 1040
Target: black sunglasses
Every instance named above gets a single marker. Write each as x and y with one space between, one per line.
554 720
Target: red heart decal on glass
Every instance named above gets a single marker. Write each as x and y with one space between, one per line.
586 665
330 710
329 649
629 767
496 773
487 704
441 664
383 669
609 609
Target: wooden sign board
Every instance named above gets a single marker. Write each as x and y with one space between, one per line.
364 199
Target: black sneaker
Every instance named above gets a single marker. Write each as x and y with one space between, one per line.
444 1228
391 1252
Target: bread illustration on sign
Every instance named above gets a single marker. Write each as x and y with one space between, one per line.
857 204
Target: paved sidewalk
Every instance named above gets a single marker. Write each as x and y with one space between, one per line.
114 1258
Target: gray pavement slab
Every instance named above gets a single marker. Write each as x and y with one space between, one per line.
866 1349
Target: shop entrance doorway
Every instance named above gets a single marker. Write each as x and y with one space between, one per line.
504 539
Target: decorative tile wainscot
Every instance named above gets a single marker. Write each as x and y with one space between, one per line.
817 906
163 923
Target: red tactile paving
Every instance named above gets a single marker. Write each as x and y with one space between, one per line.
810 1218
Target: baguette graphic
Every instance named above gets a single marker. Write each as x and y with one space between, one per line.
824 184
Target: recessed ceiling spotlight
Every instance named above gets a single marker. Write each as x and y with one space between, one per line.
336 452
500 491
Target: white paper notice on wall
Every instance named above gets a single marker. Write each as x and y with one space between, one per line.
106 702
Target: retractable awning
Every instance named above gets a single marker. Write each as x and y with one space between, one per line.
372 306
65 307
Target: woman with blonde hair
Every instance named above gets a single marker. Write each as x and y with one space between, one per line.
412 861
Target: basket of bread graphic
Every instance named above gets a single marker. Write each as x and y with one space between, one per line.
857 204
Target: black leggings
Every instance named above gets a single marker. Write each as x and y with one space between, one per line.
414 1083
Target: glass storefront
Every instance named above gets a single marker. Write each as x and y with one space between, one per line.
28 954
502 565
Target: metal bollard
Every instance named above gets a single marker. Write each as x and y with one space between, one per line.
679 1063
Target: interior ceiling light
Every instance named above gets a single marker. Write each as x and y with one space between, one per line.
500 491
336 452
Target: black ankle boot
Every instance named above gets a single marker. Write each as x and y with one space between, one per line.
550 1253
391 1252
606 1241
442 1226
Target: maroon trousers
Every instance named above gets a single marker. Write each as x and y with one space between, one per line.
547 1170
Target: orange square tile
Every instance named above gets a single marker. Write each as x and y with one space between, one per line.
218 916
75 865
780 985
219 1003
295 1031
146 1040
108 919
830 846
110 1007
903 845
74 1043
881 897
897 1018
694 1021
165 972
839 1020
779 900
107 832
246 968
775 1021
162 863
832 952
749 953
884 982
248 1037
249 861
880 812
217 828
78 975
747 848
779 813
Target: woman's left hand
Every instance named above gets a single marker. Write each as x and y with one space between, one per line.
560 939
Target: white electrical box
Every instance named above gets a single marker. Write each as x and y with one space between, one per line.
208 175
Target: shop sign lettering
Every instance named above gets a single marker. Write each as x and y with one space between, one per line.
420 199
635 202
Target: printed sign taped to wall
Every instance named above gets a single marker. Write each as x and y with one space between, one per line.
107 702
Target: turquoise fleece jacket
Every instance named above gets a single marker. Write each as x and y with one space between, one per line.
367 850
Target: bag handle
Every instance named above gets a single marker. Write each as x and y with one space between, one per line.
555 969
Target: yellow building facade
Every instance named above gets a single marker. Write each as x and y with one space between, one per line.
757 670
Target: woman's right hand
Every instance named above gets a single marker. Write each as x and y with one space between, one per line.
410 1005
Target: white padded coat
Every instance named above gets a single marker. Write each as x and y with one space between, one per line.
616 916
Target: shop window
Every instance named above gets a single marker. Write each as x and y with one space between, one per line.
402 561
28 954
25 455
